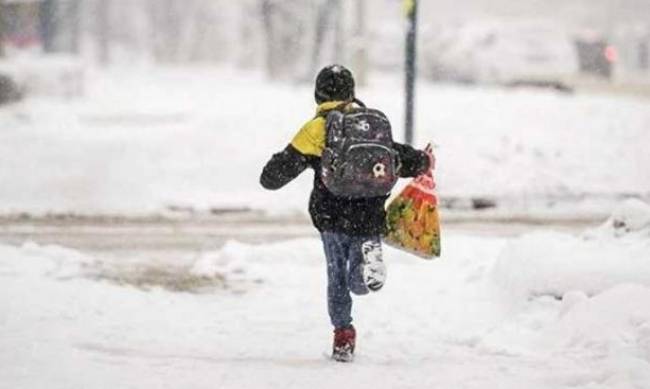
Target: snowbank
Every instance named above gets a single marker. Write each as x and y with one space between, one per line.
616 321
631 218
241 262
550 263
51 75
44 261
579 296
613 327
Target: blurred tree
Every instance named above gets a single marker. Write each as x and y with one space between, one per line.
248 45
273 59
65 37
644 54
48 25
74 23
170 20
284 26
58 22
329 12
102 13
2 28
200 33
337 16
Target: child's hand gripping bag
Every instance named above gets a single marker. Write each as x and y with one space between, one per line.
412 218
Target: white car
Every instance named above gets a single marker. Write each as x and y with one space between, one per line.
500 54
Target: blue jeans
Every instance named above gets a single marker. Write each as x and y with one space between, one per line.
344 274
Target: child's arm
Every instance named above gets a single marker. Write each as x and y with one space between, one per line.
414 162
296 157
283 167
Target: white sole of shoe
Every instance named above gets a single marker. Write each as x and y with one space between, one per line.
374 269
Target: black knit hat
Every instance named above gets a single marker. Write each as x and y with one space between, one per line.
334 83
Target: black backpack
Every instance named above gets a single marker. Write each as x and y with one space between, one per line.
359 160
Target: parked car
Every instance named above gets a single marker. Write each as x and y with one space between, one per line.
506 54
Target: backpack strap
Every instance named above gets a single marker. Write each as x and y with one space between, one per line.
341 107
359 102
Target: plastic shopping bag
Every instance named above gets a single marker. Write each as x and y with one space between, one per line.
412 218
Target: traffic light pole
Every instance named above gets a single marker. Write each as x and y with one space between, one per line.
411 36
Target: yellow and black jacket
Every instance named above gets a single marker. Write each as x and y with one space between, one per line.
356 217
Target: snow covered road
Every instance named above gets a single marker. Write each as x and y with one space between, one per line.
201 232
488 314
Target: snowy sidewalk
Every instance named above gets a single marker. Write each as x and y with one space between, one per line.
485 315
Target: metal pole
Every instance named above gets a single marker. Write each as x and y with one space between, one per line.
411 36
75 25
360 53
103 32
48 27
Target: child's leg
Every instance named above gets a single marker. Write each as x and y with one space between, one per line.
339 302
367 269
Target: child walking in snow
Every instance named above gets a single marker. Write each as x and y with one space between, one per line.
350 227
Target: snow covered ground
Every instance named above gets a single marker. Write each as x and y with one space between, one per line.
547 310
144 139
543 310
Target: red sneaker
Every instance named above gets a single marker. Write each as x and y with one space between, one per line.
344 339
